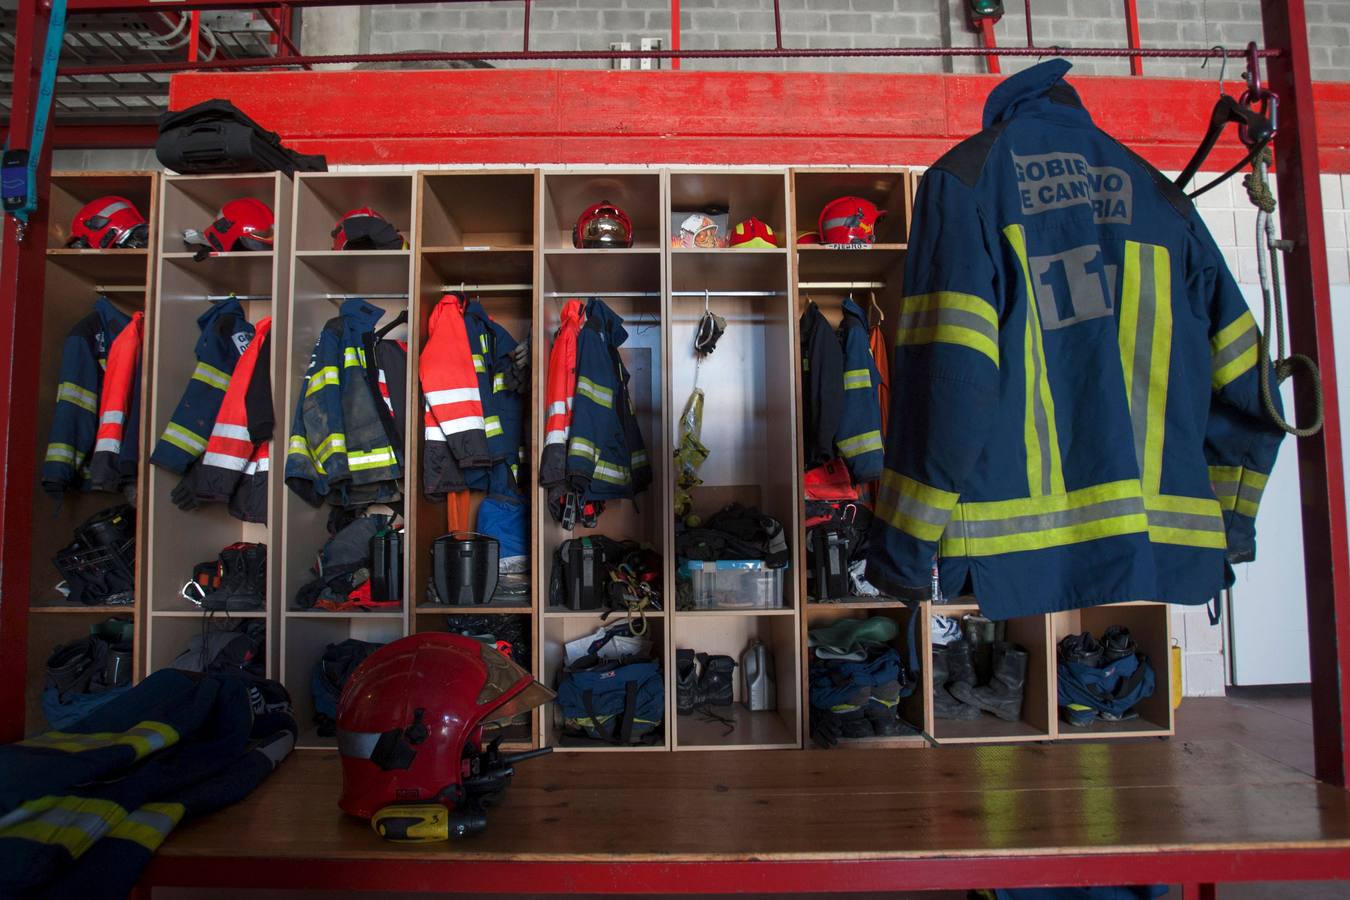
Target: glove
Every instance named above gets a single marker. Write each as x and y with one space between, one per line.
518 378
184 496
825 728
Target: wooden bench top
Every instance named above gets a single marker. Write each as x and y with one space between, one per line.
1174 808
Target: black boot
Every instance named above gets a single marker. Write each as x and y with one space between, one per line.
949 661
980 635
687 694
883 709
715 682
1117 643
1082 649
1002 696
243 580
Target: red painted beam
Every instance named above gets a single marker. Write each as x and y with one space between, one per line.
712 118
835 877
1326 558
78 137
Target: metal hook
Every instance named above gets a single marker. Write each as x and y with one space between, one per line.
1223 64
705 300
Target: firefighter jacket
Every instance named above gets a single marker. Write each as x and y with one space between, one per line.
1077 415
502 407
558 396
339 449
606 456
858 435
456 438
237 459
822 387
75 421
225 333
83 810
116 444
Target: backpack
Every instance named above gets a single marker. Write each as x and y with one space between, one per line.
330 675
617 701
1113 689
215 136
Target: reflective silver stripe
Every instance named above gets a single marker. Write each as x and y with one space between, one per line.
556 437
112 417
1039 414
945 315
1186 521
357 744
187 437
891 499
558 408
434 433
115 206
1016 525
463 423
234 432
73 393
224 461
597 393
108 445
1143 352
1241 344
1250 492
452 395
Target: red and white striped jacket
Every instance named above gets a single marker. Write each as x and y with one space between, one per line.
234 461
455 433
108 467
558 390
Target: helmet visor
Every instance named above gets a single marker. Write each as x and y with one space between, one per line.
509 689
605 230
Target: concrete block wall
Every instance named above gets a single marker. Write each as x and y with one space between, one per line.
748 24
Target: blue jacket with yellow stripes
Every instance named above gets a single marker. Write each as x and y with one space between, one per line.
606 456
225 334
858 436
503 408
65 466
1076 413
339 448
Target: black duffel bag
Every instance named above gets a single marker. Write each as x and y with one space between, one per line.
214 136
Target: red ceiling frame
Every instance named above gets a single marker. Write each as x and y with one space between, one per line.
1324 520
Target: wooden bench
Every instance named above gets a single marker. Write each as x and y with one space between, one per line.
778 822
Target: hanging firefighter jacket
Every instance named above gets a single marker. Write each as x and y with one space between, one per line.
1076 413
491 346
75 422
339 448
225 333
822 387
606 456
83 810
237 458
881 358
558 397
117 443
456 439
858 435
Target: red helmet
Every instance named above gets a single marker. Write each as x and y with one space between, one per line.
753 233
243 224
365 229
108 222
410 730
849 220
603 225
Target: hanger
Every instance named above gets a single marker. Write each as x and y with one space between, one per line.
1256 115
874 309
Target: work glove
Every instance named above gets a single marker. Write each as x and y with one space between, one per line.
184 496
826 728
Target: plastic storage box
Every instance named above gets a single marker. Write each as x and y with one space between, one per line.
730 584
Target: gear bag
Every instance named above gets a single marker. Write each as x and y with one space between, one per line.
616 701
1112 689
215 136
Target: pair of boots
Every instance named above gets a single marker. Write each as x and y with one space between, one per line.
702 679
242 568
956 693
1116 644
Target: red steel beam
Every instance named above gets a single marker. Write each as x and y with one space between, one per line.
68 137
1132 35
987 35
21 273
1326 559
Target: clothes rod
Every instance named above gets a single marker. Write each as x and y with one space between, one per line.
119 289
370 296
727 293
242 298
841 285
486 288
577 295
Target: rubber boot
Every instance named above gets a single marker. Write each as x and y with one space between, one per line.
1117 643
1002 696
883 709
716 682
980 634
946 660
686 682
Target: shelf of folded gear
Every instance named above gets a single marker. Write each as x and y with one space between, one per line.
83 535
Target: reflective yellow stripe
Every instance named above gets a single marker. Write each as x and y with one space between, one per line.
149 825
498 383
64 454
376 458
211 376
353 356
492 426
857 378
322 378
1234 349
914 507
187 441
73 393
595 392
1188 521
1252 485
298 446
478 364
75 823
866 442
144 738
1145 352
949 317
606 471
1038 523
334 443
583 448
1045 470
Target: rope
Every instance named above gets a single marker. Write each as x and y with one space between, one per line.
1259 192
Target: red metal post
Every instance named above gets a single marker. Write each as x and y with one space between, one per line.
1132 35
675 31
21 272
194 36
987 35
1326 561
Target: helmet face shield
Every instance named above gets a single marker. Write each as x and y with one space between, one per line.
603 225
502 693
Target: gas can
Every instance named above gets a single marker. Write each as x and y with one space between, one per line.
758 689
